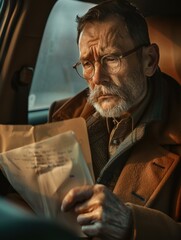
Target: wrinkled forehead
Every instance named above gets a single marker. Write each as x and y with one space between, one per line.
112 32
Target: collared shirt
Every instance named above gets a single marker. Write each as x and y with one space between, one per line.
119 130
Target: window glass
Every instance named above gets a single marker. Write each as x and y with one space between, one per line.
54 78
1 14
1 5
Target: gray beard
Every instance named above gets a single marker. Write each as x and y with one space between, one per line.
129 94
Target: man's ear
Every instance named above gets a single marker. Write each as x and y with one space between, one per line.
150 59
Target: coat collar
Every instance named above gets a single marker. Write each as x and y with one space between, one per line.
74 107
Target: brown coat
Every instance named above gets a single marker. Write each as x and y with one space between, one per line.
150 181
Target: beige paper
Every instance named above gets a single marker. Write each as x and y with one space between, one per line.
14 136
43 162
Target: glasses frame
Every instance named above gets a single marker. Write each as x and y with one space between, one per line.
123 55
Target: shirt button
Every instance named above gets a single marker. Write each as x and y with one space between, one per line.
115 141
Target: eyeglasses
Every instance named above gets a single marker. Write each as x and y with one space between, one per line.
110 64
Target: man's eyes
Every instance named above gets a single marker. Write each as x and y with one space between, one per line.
86 64
105 60
110 59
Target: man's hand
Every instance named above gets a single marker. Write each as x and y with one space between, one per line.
99 212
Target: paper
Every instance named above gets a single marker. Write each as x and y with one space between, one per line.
42 172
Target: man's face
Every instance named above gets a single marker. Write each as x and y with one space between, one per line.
112 94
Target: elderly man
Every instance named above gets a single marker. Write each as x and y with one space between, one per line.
133 115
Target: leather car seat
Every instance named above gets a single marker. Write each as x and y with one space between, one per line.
166 32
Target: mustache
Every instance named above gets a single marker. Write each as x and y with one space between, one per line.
110 88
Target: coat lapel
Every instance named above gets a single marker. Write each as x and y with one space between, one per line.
141 183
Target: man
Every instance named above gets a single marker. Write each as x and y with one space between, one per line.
133 117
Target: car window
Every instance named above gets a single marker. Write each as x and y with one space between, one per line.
54 78
1 3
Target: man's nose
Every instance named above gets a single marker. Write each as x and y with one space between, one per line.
98 74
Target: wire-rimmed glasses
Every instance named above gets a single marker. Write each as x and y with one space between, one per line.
110 63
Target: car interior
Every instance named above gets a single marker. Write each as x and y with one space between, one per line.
32 52
38 49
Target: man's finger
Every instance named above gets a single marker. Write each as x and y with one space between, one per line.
76 195
88 218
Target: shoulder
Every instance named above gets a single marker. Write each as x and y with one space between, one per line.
76 106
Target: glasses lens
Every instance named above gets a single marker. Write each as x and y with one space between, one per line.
85 69
111 64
